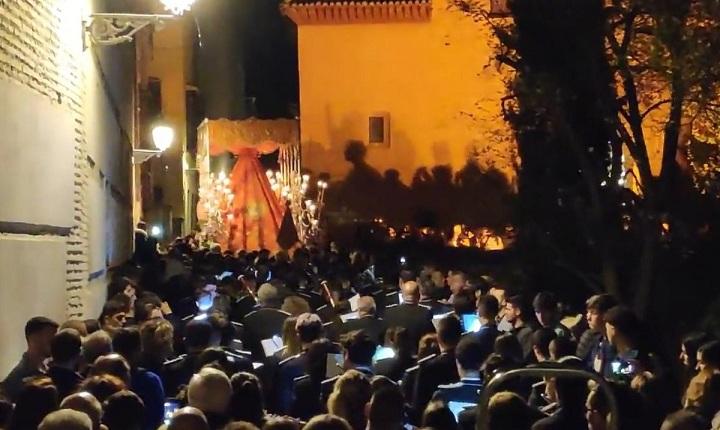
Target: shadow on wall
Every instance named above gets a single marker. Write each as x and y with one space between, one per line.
435 198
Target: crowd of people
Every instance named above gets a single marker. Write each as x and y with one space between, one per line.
317 339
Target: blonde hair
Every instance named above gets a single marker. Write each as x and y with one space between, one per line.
156 338
209 390
290 338
350 395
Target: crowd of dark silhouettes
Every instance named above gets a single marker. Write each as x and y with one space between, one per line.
317 339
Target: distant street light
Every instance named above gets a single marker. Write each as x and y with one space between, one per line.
163 136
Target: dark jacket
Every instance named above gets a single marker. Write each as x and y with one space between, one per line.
436 308
416 318
66 380
13 382
394 368
149 388
374 327
562 419
262 324
486 336
465 391
433 371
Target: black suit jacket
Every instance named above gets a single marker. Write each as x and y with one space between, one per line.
433 371
417 319
262 324
374 327
436 307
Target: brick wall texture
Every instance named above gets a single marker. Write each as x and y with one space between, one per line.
33 54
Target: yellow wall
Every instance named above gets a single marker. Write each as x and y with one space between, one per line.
170 64
431 77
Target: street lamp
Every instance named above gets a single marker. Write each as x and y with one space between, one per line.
163 136
117 28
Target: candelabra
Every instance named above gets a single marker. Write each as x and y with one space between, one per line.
216 198
291 186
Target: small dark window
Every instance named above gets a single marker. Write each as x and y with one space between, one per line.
377 130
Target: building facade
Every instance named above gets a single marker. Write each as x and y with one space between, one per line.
67 130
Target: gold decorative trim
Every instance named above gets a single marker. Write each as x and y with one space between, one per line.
358 12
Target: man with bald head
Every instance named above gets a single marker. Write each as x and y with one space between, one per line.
375 327
188 418
86 403
410 313
66 419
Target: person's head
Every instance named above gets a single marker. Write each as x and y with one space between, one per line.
124 410
449 332
126 342
295 305
156 339
427 287
508 346
112 364
39 333
630 408
209 390
38 397
86 403
383 412
596 306
359 349
95 345
66 419
464 303
281 423
571 392
246 402
366 306
309 328
102 386
399 339
198 334
349 396
410 292
428 345
546 308
268 295
507 410
77 325
516 310
708 356
689 346
541 339
122 285
684 420
66 348
437 415
562 347
113 315
147 307
456 281
92 325
327 422
487 308
188 418
622 327
469 356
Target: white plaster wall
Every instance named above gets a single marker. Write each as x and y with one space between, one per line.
36 158
32 282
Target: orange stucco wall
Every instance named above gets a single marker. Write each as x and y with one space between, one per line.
435 80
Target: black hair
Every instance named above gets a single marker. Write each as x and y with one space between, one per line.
470 353
38 324
464 303
541 339
710 353
246 402
124 411
110 308
65 346
692 342
359 346
508 346
545 301
488 306
310 331
198 334
625 321
126 342
449 330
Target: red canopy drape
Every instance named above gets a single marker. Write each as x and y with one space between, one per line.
257 213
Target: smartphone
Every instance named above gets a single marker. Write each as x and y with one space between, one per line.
171 405
205 301
383 353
